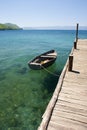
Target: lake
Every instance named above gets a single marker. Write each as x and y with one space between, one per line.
25 93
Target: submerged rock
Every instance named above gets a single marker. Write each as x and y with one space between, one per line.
17 65
22 70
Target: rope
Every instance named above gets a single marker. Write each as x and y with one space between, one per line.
61 55
49 71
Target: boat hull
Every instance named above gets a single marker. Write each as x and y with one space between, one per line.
37 67
43 61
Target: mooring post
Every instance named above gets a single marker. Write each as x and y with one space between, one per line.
77 32
76 39
75 45
70 63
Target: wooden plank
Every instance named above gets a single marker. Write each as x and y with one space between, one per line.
71 116
67 103
51 128
67 83
76 74
70 109
74 105
67 122
58 126
74 88
71 81
72 100
77 96
79 91
77 80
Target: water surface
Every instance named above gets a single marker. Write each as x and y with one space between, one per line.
25 93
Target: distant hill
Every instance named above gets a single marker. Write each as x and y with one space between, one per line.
9 26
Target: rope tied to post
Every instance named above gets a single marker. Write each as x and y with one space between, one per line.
49 71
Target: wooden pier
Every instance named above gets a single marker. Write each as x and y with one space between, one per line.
67 109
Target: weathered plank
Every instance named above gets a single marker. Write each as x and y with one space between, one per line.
74 96
66 123
77 90
74 84
67 103
70 109
71 115
72 100
58 126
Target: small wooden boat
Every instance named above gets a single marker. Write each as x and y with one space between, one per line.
44 60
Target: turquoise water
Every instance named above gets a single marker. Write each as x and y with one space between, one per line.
25 93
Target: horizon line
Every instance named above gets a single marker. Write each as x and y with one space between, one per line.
57 27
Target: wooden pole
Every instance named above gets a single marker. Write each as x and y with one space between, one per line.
76 39
75 45
77 32
70 63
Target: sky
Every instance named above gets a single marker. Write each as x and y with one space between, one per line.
43 13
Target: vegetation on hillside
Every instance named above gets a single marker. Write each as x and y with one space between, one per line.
9 26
